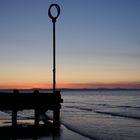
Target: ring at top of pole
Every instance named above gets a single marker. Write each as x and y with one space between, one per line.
50 13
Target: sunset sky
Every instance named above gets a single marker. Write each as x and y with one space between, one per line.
97 44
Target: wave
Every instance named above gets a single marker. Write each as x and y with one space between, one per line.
127 106
117 114
80 108
78 131
107 105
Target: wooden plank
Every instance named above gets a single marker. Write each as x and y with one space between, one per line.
30 101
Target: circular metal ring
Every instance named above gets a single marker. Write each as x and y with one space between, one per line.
58 11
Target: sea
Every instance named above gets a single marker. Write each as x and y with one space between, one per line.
97 115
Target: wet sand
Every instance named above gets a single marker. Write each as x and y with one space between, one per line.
41 133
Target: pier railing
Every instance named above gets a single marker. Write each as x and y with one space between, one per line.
40 102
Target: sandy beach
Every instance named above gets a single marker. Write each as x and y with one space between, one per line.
62 134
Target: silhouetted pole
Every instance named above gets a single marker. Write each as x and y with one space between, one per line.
14 112
54 21
36 122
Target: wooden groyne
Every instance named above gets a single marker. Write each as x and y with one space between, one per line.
40 102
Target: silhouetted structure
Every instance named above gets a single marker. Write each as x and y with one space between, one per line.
54 17
40 102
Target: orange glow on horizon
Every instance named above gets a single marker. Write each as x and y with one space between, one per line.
69 85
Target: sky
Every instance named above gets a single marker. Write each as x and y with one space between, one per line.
97 44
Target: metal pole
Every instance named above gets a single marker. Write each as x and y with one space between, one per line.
54 58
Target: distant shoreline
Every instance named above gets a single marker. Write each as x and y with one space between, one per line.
101 89
77 89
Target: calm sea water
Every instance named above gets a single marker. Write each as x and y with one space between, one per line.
104 115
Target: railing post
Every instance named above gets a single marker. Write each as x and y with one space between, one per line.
36 121
14 112
56 118
56 111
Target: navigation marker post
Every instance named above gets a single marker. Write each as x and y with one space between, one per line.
56 112
54 17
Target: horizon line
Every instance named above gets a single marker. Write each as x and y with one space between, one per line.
99 88
92 85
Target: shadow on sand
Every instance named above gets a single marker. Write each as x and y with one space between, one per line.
26 132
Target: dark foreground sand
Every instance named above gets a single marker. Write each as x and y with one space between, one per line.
63 133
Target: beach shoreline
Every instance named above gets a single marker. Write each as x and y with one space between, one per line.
63 133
